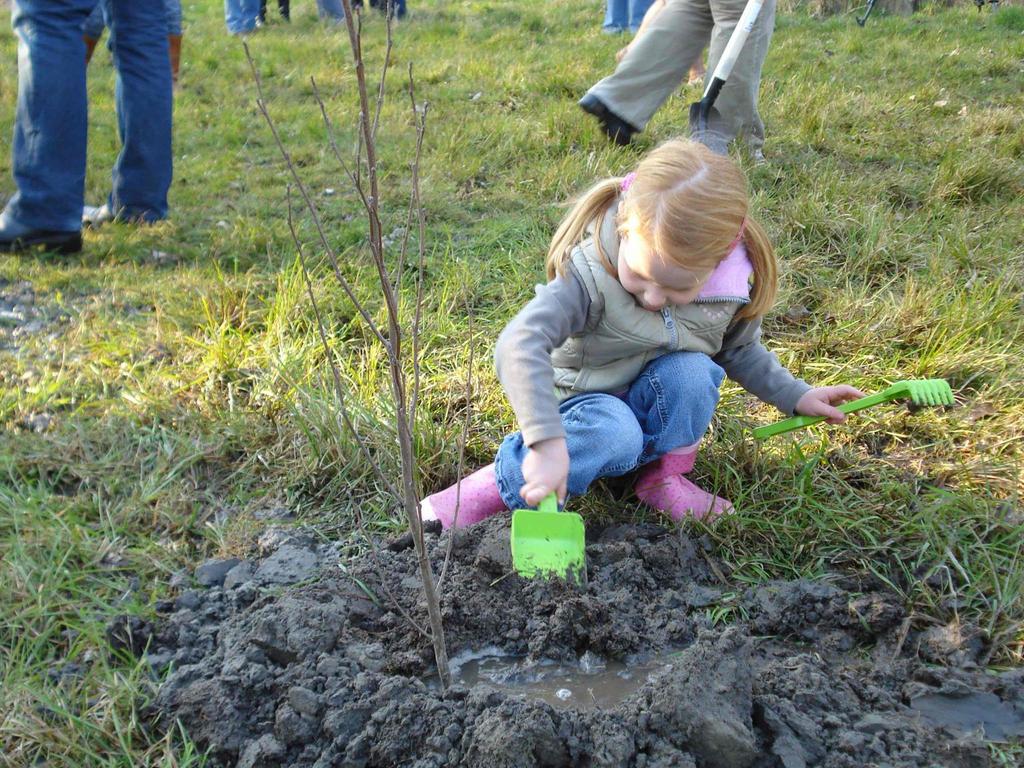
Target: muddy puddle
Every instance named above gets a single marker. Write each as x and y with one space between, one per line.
964 712
591 682
293 658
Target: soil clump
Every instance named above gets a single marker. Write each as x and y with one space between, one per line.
329 671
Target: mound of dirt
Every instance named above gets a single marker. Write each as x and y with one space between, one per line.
331 672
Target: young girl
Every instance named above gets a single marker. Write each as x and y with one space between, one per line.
658 282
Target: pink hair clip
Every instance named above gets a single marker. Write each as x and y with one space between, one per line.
627 180
739 236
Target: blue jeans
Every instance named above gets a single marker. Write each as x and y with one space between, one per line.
622 14
333 10
399 7
97 21
669 406
50 126
330 10
240 15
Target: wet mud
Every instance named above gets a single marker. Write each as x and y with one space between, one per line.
295 659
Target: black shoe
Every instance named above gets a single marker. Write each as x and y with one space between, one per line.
15 238
614 127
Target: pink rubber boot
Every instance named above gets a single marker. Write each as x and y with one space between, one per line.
478 500
661 485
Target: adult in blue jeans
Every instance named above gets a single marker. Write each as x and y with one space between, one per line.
97 22
622 15
241 16
49 146
333 10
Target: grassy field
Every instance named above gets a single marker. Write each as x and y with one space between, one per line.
172 385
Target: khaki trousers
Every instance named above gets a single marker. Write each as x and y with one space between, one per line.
661 57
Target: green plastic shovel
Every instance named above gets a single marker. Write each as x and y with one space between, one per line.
546 542
919 392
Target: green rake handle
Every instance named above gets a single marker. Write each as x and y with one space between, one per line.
930 392
799 422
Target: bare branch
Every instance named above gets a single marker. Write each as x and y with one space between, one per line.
355 177
462 451
342 408
310 206
419 120
329 125
421 128
375 555
383 75
339 389
398 382
366 151
375 552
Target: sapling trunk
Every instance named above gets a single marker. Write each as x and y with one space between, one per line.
367 189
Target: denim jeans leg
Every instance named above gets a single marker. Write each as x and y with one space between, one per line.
616 15
637 11
603 438
240 15
48 147
330 10
142 173
673 400
172 10
95 23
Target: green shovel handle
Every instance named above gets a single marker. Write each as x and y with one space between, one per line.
798 422
548 504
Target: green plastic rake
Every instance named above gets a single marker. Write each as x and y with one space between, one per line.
919 392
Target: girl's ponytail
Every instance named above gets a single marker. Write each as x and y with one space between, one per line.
588 209
762 258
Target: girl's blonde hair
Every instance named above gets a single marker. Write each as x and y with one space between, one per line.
689 204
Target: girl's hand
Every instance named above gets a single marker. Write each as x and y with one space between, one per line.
545 470
622 53
820 401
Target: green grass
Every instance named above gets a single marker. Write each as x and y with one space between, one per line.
188 391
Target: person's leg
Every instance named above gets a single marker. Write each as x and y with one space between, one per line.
674 399
656 62
92 30
49 143
172 9
240 16
472 499
697 71
142 173
635 13
737 103
284 6
330 10
603 438
616 16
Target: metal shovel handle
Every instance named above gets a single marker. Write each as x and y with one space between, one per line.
732 50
